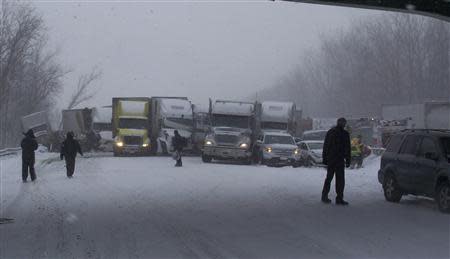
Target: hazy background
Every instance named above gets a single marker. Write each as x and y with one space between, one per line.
198 49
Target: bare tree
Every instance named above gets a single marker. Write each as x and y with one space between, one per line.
83 91
29 75
393 58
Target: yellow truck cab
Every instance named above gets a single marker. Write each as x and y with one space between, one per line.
131 123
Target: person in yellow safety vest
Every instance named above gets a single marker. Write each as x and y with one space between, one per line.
357 148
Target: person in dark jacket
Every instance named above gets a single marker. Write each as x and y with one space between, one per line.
29 145
69 149
178 143
336 156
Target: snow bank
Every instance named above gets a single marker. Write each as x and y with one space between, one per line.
233 108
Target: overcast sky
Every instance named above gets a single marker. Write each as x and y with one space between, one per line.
198 49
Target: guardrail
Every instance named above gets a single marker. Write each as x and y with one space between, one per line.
9 151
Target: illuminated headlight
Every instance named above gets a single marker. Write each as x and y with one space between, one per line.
145 145
268 150
119 143
296 151
243 145
208 143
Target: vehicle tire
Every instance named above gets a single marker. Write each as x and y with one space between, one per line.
392 192
443 197
206 158
309 162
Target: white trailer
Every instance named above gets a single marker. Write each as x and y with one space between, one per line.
167 115
428 115
279 116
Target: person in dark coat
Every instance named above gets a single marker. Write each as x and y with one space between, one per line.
336 156
178 143
29 145
69 149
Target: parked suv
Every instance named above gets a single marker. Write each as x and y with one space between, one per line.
417 162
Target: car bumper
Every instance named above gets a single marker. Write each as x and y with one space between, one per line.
274 159
227 153
132 150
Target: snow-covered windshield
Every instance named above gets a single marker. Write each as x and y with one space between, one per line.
446 145
274 139
274 125
231 121
131 123
314 146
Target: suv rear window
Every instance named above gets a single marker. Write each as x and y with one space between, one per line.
394 143
410 145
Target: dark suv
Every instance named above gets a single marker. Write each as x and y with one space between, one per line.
417 162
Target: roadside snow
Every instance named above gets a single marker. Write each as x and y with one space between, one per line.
143 207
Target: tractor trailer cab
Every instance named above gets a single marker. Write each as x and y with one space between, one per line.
130 125
231 134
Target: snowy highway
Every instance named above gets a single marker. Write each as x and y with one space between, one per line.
143 207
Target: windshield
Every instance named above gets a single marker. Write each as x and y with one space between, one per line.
317 135
231 121
273 139
127 123
274 125
315 145
446 145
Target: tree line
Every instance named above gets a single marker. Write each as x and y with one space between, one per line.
30 74
385 59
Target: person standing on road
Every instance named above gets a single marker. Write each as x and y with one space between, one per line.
178 143
29 145
69 149
336 154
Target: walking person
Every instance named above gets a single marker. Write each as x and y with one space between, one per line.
29 145
69 149
178 143
336 156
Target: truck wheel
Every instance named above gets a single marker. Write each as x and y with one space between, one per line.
392 192
443 197
206 158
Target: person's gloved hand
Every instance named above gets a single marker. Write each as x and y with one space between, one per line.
347 164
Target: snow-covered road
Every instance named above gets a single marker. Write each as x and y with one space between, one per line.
146 208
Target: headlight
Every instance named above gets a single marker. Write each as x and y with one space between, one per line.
119 144
268 150
145 145
243 145
296 151
208 143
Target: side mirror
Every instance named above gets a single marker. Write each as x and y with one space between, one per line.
432 156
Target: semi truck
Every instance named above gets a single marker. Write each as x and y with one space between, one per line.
168 114
427 115
130 126
80 122
232 133
278 116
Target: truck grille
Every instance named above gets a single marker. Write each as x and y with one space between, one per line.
132 140
283 152
226 139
